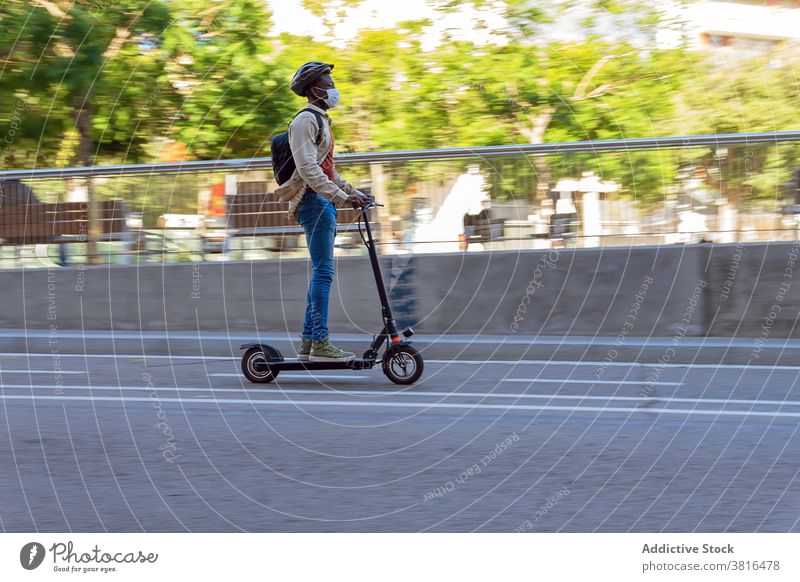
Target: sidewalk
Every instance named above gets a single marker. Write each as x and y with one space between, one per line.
608 350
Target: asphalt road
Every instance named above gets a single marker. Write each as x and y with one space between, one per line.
127 444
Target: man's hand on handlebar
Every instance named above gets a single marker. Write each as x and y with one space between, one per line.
358 200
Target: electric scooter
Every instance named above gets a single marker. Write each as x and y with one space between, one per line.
401 363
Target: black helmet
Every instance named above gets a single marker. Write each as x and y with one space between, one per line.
307 74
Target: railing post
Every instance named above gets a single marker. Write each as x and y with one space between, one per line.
231 181
94 230
127 237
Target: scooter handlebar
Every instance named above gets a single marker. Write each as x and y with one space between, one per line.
370 203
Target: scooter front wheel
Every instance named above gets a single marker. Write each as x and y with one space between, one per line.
255 369
402 365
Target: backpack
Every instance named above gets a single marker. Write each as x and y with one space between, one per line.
283 164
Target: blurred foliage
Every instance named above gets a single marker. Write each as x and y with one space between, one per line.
233 92
117 81
85 71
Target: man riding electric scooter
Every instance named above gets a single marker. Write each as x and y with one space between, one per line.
302 159
313 192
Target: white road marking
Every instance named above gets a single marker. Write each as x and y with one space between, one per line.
424 340
571 381
308 376
200 359
425 405
601 397
54 372
126 356
594 363
526 380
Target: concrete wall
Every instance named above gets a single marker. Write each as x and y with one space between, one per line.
719 290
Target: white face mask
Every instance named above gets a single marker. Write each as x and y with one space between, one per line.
332 99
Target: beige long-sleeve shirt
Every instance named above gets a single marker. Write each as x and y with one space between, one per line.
307 158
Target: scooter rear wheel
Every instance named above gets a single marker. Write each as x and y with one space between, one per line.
262 375
403 365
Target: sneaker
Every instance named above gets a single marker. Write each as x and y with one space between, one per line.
303 349
325 351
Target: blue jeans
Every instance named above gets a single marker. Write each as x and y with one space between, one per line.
317 215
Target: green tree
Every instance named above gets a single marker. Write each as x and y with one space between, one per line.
87 69
233 93
738 95
522 90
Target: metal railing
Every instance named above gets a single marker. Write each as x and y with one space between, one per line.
163 189
265 163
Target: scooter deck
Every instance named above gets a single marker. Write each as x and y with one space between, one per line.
295 364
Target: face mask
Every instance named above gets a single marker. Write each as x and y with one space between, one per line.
332 99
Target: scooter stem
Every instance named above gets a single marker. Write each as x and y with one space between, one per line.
390 326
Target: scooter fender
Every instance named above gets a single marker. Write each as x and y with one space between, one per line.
272 354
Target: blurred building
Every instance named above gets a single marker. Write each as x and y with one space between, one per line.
744 27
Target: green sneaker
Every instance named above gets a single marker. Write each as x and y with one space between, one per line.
325 351
303 349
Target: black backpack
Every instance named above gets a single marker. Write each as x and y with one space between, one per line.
282 160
